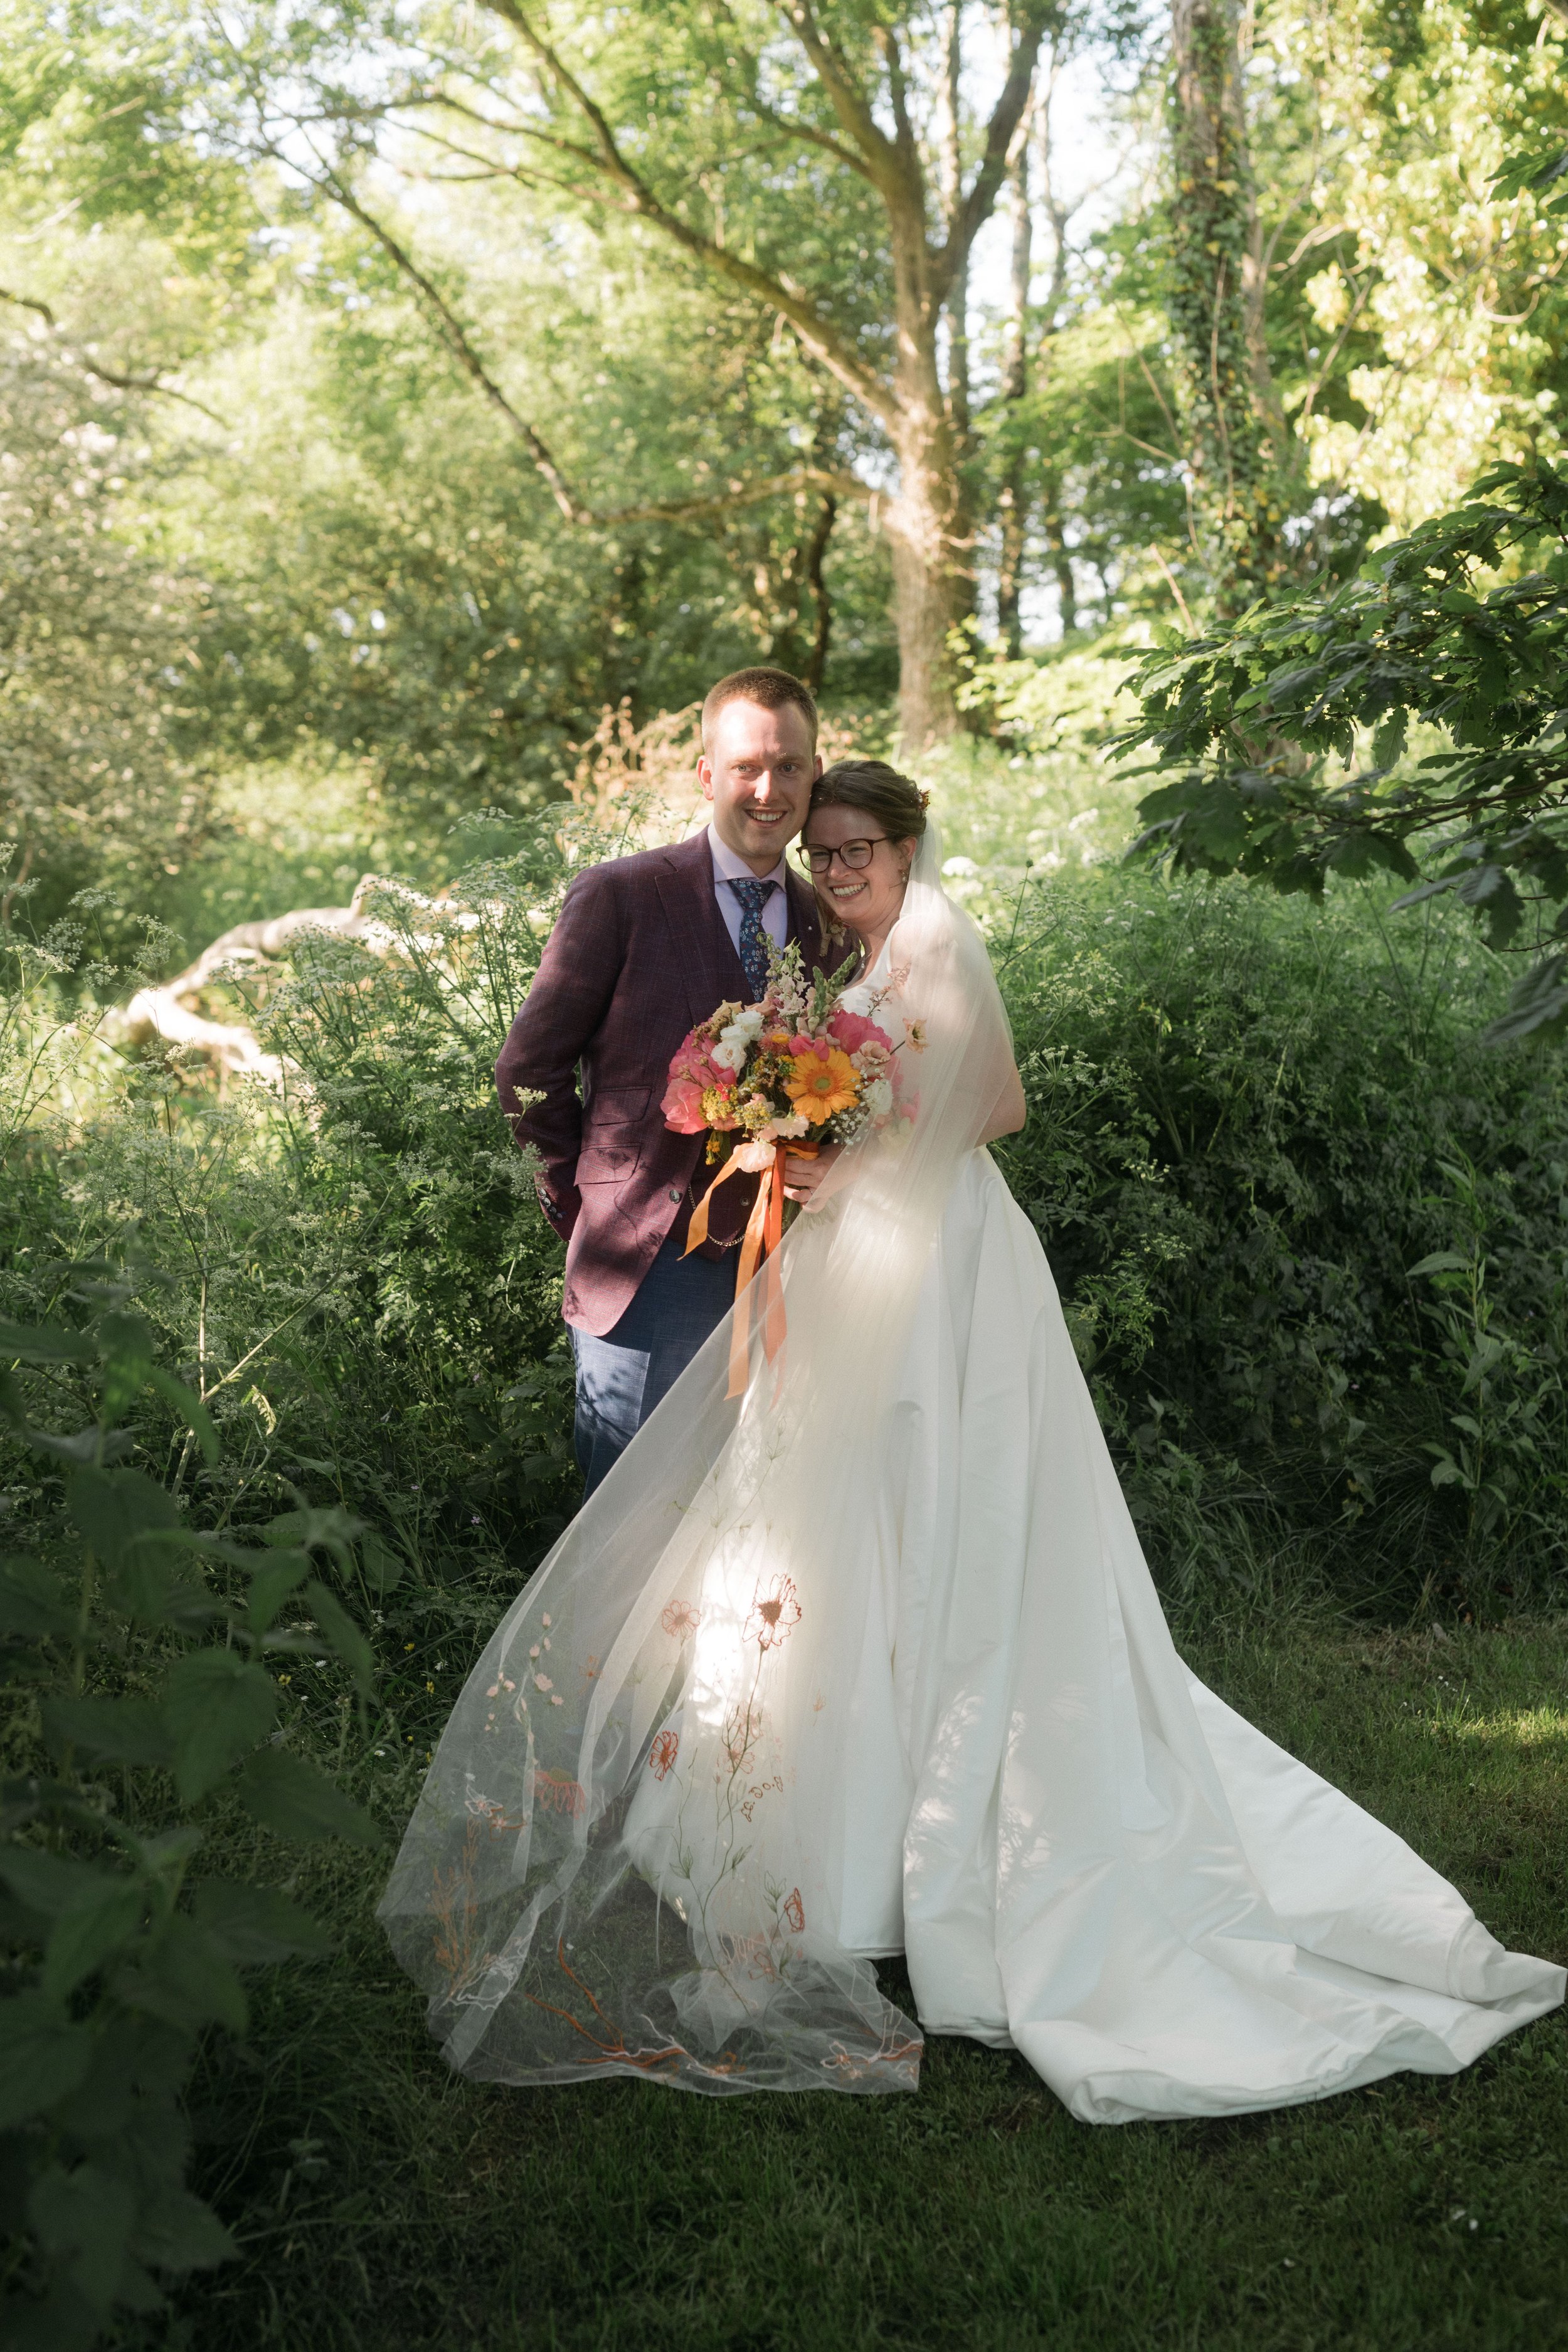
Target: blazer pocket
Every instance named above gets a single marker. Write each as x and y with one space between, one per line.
607 1163
618 1106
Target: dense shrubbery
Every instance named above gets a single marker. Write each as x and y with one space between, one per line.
1307 1227
1310 1233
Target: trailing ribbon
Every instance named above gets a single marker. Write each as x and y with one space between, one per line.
759 1246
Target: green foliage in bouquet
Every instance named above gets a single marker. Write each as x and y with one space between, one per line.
1256 727
142 1714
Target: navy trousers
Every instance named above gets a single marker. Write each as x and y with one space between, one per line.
622 1376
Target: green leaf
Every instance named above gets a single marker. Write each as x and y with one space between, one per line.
178 2234
89 1933
186 1979
43 2056
60 2320
1538 1006
329 1530
114 1507
255 1925
1491 889
83 2219
46 1346
111 1731
381 1568
33 1602
1388 743
1440 1262
189 1407
216 1705
271 1585
50 1883
343 1636
87 1445
149 1583
292 1799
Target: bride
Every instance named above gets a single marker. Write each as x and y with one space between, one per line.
867 1660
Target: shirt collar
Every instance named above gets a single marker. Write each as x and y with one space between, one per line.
727 868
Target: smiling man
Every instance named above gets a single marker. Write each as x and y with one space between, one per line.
645 947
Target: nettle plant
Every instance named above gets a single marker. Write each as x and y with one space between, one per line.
1282 741
140 1712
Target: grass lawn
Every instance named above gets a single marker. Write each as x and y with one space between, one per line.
382 2202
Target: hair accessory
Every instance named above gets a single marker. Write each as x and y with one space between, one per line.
925 800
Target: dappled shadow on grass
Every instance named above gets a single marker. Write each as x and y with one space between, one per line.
428 2211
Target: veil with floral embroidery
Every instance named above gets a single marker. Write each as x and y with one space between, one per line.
627 1853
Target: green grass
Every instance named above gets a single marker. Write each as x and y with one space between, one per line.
384 2203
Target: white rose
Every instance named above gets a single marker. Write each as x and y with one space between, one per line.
748 1024
729 1055
878 1097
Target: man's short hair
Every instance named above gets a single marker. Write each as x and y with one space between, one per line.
773 688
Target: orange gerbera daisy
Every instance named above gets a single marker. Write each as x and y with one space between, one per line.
820 1084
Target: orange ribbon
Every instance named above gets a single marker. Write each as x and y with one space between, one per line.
759 1246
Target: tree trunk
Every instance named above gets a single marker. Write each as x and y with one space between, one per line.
1014 499
929 538
1216 307
1057 546
816 661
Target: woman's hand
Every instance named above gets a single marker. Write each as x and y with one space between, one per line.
802 1177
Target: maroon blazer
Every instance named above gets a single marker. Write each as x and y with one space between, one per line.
639 954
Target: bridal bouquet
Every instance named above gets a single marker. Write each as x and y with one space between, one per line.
806 1067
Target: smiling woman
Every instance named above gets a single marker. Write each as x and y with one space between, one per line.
865 823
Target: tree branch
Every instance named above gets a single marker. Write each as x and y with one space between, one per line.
976 207
107 376
837 485
679 510
821 340
454 336
790 124
845 95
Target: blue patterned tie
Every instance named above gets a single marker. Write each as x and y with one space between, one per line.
754 896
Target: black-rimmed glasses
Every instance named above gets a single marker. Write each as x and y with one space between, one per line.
851 853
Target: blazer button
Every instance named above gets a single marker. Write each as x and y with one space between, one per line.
673 1194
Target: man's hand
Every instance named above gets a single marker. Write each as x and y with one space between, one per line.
802 1177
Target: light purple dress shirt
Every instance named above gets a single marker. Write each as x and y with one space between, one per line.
727 868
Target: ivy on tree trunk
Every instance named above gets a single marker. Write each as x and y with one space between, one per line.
1215 305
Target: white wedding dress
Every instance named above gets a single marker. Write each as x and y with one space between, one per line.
873 1663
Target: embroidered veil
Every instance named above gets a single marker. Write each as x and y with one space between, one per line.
628 1857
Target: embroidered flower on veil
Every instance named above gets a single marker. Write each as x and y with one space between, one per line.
774 1615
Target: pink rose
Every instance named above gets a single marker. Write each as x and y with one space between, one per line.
852 1030
682 1107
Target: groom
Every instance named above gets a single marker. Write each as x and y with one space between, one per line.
644 949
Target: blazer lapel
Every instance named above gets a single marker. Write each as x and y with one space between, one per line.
805 921
703 950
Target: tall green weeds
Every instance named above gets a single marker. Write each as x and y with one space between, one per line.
1308 1232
